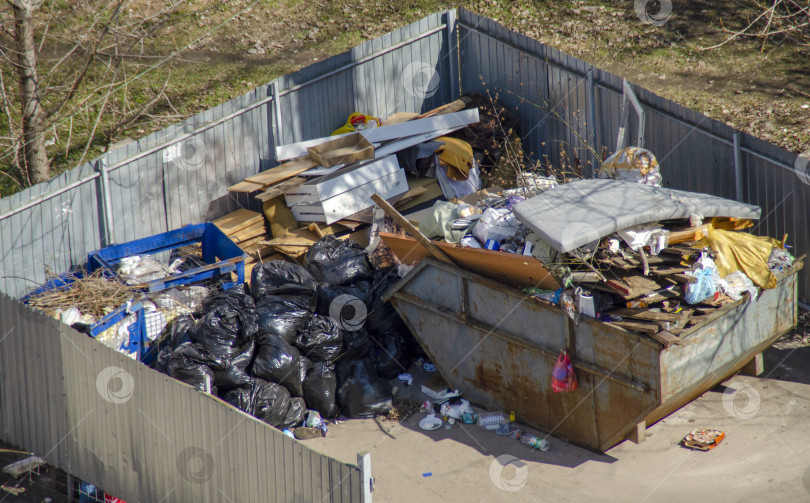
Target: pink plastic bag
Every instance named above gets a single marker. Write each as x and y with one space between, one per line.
563 377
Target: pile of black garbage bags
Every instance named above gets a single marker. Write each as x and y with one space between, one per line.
317 337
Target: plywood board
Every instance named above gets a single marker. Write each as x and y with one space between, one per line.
238 220
254 230
282 172
245 186
519 271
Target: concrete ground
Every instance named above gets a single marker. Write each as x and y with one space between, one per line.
765 456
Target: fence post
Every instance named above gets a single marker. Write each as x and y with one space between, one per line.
106 202
450 30
364 464
591 99
737 167
279 131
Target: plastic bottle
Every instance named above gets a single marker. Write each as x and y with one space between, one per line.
534 442
491 420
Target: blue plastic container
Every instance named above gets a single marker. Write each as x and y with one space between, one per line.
221 255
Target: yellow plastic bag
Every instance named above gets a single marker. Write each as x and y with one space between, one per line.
740 251
457 155
358 122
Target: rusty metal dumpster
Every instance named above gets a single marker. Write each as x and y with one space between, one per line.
499 346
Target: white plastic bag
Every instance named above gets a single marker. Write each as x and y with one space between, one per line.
496 224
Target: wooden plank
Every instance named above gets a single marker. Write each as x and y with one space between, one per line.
633 285
252 241
755 367
245 186
281 188
410 229
645 314
283 172
453 106
515 270
642 327
412 193
639 433
238 220
432 191
387 133
254 230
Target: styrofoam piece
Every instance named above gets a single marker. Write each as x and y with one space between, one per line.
455 120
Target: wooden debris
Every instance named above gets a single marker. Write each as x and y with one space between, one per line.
282 172
238 220
281 188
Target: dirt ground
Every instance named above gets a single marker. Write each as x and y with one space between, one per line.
763 458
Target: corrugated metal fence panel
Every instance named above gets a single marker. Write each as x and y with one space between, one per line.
401 71
696 153
32 402
142 435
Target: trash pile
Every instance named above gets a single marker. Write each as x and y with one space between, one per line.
298 341
307 337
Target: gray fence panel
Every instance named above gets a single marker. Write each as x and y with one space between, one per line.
696 153
142 435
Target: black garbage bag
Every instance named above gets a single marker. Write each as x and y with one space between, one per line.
161 363
235 373
356 345
320 387
389 355
383 322
193 364
228 324
278 361
278 277
331 260
295 414
284 315
264 400
360 392
321 339
181 330
328 293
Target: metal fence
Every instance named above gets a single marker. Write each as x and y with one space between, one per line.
564 102
180 175
143 436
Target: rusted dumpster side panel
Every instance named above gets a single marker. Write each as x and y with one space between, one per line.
714 348
500 347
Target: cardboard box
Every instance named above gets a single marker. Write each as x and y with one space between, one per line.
343 150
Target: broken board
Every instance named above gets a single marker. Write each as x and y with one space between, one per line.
282 172
519 271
